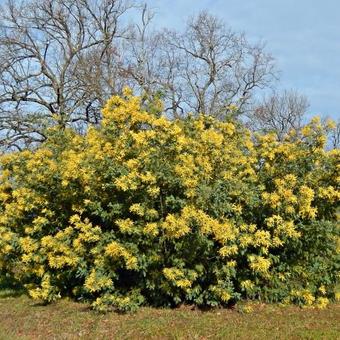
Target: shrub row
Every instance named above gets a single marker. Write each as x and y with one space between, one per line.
144 210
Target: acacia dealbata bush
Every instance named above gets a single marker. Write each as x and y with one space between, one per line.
144 210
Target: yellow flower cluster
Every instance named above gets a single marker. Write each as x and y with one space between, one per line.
259 264
177 277
248 285
306 198
329 193
45 292
95 282
115 251
222 293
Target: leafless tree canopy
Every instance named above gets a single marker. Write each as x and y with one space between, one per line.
46 47
279 113
334 136
205 68
61 59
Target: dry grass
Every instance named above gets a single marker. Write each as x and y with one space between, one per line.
21 318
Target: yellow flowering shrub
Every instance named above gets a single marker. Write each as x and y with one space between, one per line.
143 209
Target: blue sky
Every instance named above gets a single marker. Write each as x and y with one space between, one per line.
302 35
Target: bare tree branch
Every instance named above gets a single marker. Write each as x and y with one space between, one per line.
46 46
279 113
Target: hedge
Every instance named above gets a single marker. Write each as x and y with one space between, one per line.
144 210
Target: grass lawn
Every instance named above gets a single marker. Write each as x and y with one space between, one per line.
21 318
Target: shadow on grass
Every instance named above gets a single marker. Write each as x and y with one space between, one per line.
11 292
10 288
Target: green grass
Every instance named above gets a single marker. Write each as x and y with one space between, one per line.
21 318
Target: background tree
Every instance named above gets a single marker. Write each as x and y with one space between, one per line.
205 68
335 136
279 113
333 132
64 59
52 51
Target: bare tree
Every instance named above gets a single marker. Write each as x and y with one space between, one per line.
205 68
47 47
279 113
64 58
149 64
334 136
220 67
